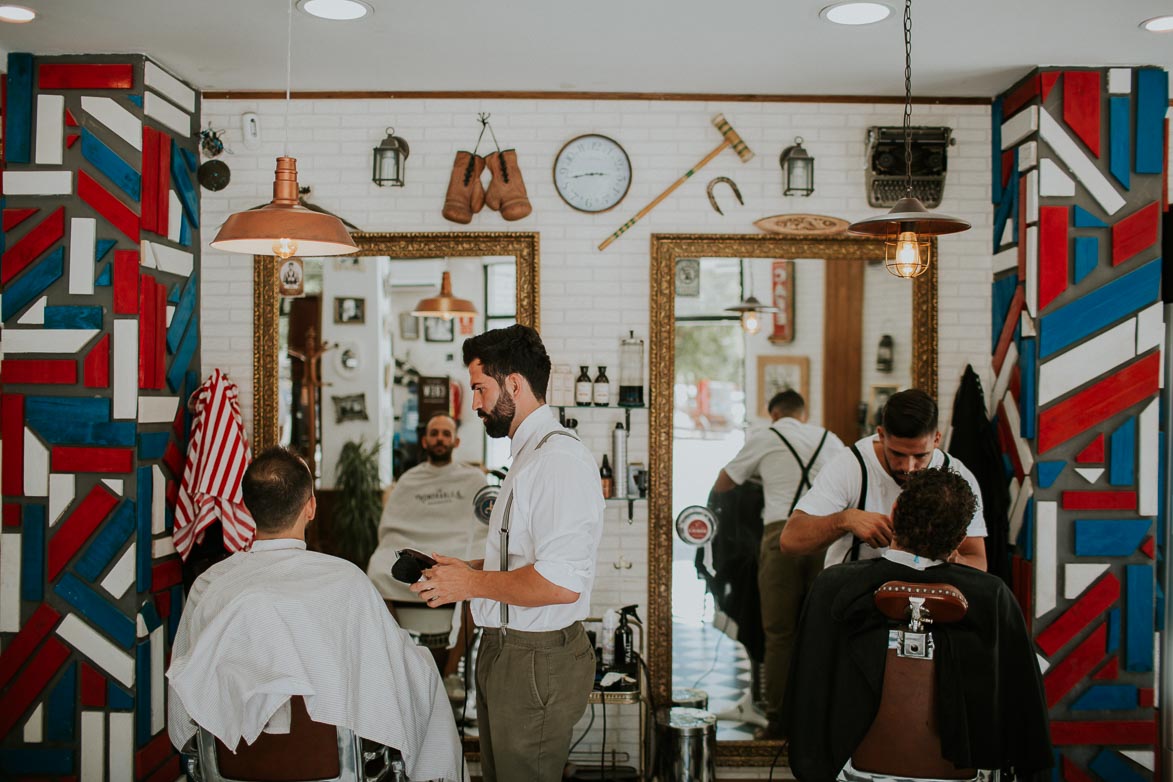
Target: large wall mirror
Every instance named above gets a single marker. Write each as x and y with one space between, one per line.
847 334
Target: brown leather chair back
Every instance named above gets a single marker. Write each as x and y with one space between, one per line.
309 751
903 739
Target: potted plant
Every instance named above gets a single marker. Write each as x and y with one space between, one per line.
357 504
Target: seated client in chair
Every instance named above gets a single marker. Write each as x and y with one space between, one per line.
989 707
278 621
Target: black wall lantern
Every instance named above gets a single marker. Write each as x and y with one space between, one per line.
798 170
884 357
390 160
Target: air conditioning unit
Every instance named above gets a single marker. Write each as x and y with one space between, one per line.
886 177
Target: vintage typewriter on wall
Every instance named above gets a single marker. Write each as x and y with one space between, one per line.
886 166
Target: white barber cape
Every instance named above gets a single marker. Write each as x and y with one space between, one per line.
278 621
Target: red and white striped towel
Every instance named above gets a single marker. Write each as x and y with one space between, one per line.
217 456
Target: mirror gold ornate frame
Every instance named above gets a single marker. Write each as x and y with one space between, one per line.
665 250
522 246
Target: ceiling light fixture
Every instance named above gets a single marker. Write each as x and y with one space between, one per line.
445 305
16 14
336 10
750 309
907 228
856 13
284 227
1158 24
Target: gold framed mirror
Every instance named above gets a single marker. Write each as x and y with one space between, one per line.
844 257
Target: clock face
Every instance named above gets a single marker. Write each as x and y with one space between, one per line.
592 173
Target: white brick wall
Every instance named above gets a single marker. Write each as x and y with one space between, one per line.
589 299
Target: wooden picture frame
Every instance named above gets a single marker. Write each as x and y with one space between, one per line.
778 373
439 330
409 326
350 309
877 398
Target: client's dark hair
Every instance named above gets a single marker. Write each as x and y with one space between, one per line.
788 402
932 512
276 486
516 348
911 413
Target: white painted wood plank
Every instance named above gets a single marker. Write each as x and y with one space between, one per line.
1078 163
115 485
121 745
82 234
50 130
34 728
1032 197
1010 409
1053 181
1028 155
157 409
1006 259
159 503
1020 126
1142 757
1078 577
169 259
125 376
93 746
162 547
1119 81
36 466
140 626
1044 663
1027 325
121 576
116 118
1150 328
34 315
62 489
1087 361
158 682
1002 381
104 654
174 217
179 93
170 314
1090 474
159 108
1045 557
1032 270
47 340
1147 461
1007 234
9 582
37 183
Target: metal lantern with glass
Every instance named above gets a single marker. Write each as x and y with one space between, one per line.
390 159
798 170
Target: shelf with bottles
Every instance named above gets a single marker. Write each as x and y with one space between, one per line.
625 408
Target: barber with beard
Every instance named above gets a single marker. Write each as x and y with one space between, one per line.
530 593
847 509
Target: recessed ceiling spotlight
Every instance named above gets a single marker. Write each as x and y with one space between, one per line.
16 14
853 13
336 10
1158 24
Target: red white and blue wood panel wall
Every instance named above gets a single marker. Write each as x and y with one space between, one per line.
1079 194
99 297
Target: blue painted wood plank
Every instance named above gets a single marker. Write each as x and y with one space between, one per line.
106 276
1085 219
184 355
152 445
18 111
1109 537
61 707
135 99
173 293
1152 99
108 543
183 313
1015 193
185 233
117 699
43 409
181 179
1087 256
1160 612
1028 400
150 616
96 609
20 292
32 553
1119 136
996 154
77 421
1113 642
143 540
142 694
1005 209
113 167
189 159
1001 294
104 246
1107 697
1101 307
1122 454
36 761
1139 603
1048 472
1026 536
73 317
1112 767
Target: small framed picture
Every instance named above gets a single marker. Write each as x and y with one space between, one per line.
877 398
438 330
292 278
409 326
349 408
781 373
349 310
688 277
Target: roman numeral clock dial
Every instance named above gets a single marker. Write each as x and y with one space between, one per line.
592 173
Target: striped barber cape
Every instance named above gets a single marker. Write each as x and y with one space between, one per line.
217 456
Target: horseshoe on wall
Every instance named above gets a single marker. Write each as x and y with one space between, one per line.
732 186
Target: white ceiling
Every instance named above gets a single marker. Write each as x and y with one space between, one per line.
973 48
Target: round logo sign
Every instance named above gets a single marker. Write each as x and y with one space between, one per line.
482 502
696 525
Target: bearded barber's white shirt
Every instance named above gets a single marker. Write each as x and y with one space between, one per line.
278 621
556 523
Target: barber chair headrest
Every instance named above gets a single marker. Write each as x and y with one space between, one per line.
944 602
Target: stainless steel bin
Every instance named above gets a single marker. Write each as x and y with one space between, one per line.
688 746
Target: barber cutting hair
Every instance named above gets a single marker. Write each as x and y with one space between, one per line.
532 590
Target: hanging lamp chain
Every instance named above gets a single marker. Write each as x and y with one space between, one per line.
908 97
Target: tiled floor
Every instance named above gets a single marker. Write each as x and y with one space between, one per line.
706 659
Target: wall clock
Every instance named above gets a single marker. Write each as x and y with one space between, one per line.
592 173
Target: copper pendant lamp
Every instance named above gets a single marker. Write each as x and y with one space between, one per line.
284 227
445 305
908 227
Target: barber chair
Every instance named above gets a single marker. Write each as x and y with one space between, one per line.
310 752
903 739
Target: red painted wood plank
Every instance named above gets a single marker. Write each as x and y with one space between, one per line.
12 432
78 526
96 368
1020 97
1093 602
1099 500
106 204
1068 672
1009 326
1114 394
1081 106
85 76
65 458
1007 166
1146 697
166 772
163 603
126 282
1135 233
150 180
38 371
167 574
14 217
70 120
21 647
173 459
1110 671
12 516
1066 733
1073 773
152 755
71 139
1015 384
93 687
1149 548
1049 80
1094 453
32 245
31 684
160 336
163 189
172 492
146 331
1054 266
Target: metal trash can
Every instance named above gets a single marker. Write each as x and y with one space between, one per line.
690 698
688 746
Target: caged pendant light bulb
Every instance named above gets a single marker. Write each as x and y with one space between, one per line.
908 228
751 311
283 227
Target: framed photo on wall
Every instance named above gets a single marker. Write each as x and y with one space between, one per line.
349 310
438 330
409 326
877 398
782 291
781 373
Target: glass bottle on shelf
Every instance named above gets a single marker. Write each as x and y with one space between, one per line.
583 388
601 393
607 478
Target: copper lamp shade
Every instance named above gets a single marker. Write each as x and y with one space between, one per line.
283 227
445 305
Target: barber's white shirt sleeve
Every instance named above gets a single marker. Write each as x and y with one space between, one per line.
565 504
746 463
836 488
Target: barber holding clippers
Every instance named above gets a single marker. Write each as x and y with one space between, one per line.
532 590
